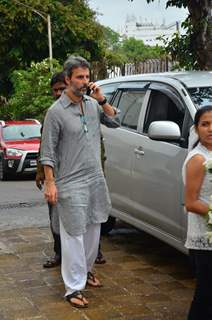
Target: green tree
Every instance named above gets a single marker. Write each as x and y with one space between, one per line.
113 55
24 37
119 52
32 93
181 49
136 50
196 45
111 38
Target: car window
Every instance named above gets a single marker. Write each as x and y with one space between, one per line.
162 107
129 104
109 89
201 96
21 132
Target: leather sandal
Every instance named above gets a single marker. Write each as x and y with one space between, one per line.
52 262
93 281
78 295
100 259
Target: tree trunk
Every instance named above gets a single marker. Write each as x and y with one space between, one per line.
200 15
209 46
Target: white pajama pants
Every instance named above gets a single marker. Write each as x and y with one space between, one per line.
78 256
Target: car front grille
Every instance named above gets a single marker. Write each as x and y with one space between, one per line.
32 156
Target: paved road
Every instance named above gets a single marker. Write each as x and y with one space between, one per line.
144 279
21 205
16 191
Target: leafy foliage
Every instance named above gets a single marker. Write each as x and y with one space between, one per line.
136 50
119 52
173 3
180 48
32 92
193 50
111 38
24 36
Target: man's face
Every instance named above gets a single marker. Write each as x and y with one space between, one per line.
57 89
78 82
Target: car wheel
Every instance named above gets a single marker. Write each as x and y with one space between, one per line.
3 175
108 226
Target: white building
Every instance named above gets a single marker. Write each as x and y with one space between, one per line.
147 31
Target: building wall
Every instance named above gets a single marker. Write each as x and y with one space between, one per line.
148 32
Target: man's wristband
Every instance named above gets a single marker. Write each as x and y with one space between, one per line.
101 103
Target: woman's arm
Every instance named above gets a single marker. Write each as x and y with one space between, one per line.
195 172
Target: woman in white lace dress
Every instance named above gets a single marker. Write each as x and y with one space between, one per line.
198 189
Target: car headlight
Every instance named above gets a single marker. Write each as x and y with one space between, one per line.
14 152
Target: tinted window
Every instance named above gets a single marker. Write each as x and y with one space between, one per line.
129 104
162 108
201 96
109 89
21 132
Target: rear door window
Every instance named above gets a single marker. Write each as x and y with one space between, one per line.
129 104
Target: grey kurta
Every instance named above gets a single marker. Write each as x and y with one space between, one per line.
74 155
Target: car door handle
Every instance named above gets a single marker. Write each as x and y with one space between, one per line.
139 151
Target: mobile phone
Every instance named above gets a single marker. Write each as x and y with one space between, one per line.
88 91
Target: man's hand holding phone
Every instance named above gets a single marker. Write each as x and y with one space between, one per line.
95 91
88 92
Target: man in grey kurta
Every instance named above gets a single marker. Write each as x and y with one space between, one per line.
75 184
75 156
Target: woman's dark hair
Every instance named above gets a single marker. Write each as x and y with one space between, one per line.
197 117
200 112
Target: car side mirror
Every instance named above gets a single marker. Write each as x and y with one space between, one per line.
164 130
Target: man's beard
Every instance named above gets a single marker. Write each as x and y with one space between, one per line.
78 92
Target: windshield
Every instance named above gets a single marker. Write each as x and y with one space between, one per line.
21 132
201 96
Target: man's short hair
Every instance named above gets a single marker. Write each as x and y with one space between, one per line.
57 77
74 62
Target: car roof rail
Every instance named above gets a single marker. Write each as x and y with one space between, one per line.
37 121
2 123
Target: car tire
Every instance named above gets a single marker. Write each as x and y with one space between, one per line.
108 226
3 175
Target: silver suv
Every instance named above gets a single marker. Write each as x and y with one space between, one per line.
145 155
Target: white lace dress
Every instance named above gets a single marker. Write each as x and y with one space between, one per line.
197 224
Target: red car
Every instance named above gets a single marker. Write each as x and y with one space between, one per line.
19 145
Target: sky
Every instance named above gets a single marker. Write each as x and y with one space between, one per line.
114 12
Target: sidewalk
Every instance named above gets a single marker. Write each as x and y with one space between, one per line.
143 279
